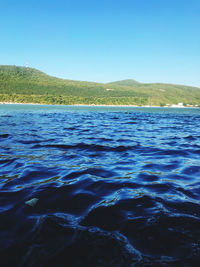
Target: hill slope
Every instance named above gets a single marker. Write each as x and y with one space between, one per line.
27 85
128 82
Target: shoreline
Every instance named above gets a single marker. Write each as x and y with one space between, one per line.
94 105
88 105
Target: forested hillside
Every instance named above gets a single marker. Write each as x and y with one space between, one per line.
28 85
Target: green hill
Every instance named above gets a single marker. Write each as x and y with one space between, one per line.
28 85
128 82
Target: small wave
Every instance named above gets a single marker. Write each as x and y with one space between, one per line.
89 147
92 171
107 248
192 170
4 135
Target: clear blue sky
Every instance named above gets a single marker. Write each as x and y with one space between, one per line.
104 40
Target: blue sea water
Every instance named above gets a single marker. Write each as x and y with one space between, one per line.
99 186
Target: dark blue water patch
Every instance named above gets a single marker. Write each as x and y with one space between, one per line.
30 141
193 190
160 188
6 116
111 217
191 138
63 202
148 177
103 173
192 170
187 193
88 147
67 198
122 183
183 207
105 217
174 152
81 239
160 167
164 234
196 151
106 188
4 136
130 122
6 162
12 199
70 128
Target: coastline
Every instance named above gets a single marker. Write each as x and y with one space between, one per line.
81 105
18 103
94 105
88 105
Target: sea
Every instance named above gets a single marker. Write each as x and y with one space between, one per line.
94 186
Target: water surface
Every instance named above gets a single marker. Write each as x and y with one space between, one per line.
114 186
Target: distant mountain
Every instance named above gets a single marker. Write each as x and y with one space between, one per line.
128 82
28 85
